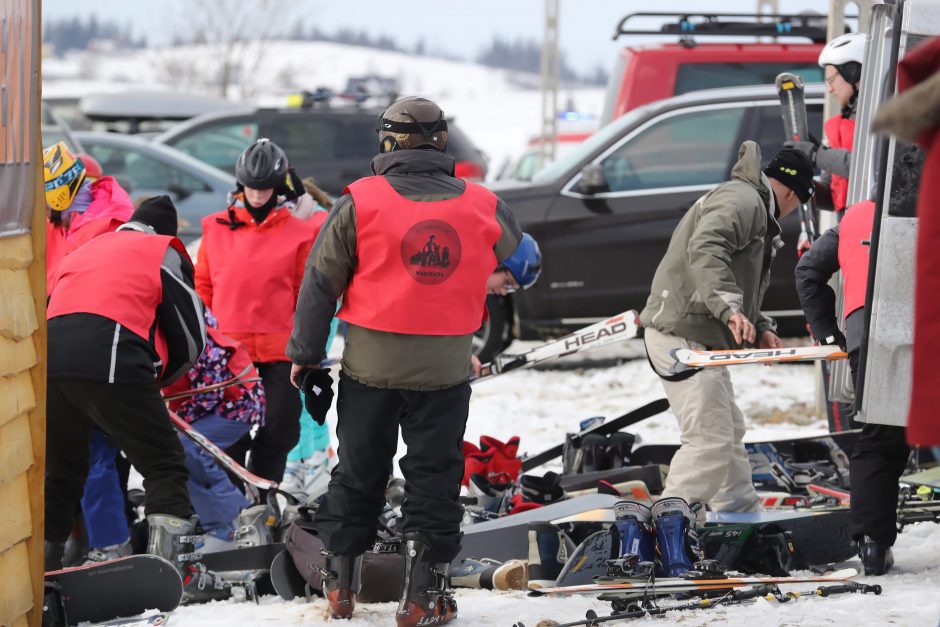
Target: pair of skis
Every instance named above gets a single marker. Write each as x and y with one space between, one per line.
672 585
770 592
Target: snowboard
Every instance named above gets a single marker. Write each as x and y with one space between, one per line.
820 536
287 581
929 478
588 560
506 538
649 474
118 588
827 452
152 620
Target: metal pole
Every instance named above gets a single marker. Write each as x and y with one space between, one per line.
550 67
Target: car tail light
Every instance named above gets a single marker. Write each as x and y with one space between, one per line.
470 171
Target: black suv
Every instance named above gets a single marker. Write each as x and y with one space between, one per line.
333 145
604 213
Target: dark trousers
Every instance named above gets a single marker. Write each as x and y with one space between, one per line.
136 418
432 426
878 459
281 429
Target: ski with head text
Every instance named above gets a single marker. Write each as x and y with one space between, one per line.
688 358
623 326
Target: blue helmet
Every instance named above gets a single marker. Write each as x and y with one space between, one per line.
525 263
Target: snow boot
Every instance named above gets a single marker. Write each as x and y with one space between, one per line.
293 480
543 490
504 466
635 530
490 497
105 553
426 598
594 455
342 581
548 553
475 461
54 553
877 559
316 474
619 448
489 574
173 539
676 537
255 526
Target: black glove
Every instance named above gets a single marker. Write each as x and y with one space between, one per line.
317 386
809 148
836 339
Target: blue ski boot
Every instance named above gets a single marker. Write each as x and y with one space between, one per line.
635 530
676 537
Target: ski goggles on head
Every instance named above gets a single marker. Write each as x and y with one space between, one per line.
66 177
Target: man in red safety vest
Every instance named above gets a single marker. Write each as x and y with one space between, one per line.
410 320
124 320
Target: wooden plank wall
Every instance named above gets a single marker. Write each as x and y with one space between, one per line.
23 347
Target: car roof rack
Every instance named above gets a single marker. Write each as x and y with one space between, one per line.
811 26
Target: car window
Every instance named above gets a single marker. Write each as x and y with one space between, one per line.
221 144
687 149
142 171
308 139
696 76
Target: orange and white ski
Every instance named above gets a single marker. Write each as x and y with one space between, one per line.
688 358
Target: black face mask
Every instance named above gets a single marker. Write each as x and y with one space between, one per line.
260 213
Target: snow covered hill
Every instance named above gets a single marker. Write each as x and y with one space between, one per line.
490 105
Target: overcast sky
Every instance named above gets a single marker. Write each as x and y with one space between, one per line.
459 27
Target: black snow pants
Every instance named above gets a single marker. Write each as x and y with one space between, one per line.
432 427
878 459
135 416
281 428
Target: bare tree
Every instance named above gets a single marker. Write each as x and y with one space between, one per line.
236 34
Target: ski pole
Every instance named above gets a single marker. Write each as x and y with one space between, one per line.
236 380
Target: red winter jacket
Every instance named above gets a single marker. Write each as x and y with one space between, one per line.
250 275
110 208
922 65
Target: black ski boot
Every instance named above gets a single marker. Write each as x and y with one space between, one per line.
877 559
426 598
173 539
548 552
341 583
619 448
489 574
54 552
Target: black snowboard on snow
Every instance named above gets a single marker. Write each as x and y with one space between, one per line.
820 536
809 448
118 588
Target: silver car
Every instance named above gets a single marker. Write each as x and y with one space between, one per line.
147 169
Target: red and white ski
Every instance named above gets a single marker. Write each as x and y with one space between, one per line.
687 358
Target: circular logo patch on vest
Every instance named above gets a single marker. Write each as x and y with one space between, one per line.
430 251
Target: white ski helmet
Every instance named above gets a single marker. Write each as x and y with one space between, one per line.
845 53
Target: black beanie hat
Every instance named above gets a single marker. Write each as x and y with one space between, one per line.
794 169
159 213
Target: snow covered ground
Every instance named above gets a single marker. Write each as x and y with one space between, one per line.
539 406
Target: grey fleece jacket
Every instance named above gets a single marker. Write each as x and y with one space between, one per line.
719 258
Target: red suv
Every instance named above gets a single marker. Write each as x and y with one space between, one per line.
647 73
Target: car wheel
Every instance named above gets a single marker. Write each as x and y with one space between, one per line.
496 333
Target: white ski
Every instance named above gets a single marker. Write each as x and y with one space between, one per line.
687 358
617 328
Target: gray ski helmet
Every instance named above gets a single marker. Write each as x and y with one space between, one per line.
263 165
412 122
